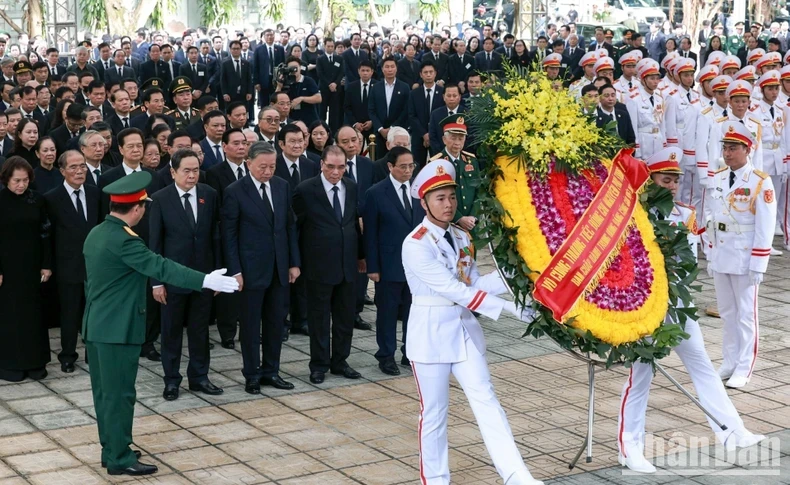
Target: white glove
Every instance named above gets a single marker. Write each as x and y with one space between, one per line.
524 314
756 277
783 178
215 281
709 268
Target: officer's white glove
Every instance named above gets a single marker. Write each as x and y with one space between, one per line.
756 277
526 314
709 268
783 178
224 284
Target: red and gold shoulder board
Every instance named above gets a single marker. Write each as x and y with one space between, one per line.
635 95
420 233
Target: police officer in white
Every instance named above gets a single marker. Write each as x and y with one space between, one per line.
683 107
444 336
646 108
665 171
741 227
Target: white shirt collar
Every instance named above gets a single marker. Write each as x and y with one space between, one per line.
290 162
397 185
192 192
328 186
71 189
128 169
607 112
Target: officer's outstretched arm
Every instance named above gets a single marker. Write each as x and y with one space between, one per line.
490 283
137 256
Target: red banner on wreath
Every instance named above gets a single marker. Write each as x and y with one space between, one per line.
595 237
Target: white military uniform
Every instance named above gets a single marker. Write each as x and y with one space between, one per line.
575 89
682 112
751 124
774 148
740 231
445 338
624 87
648 121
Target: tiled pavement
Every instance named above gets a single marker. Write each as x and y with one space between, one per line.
365 431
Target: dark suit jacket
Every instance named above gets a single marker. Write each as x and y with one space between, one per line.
258 243
398 108
89 176
329 249
111 75
354 110
263 64
624 127
61 137
387 223
441 62
233 85
380 170
307 169
409 72
209 156
329 73
220 176
148 71
419 116
483 65
364 177
139 122
459 69
116 124
199 81
173 237
69 231
43 121
352 64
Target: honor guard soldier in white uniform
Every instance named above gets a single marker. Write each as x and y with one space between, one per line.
604 68
707 147
586 63
754 55
683 107
741 229
773 121
704 78
739 95
444 336
646 108
730 65
665 171
784 93
668 83
715 58
628 81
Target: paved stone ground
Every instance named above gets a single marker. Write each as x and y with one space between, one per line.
365 431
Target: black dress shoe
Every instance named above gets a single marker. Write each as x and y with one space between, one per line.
228 344
360 324
317 377
252 387
276 382
152 355
369 300
170 393
67 367
303 329
135 470
210 345
137 454
285 336
205 387
389 367
348 373
37 374
405 361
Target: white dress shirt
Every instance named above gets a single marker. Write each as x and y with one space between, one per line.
290 164
349 168
260 186
330 194
192 199
389 89
398 191
234 168
84 201
129 170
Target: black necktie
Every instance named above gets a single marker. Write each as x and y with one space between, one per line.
97 173
266 201
405 197
630 86
30 117
732 178
271 61
688 95
80 209
295 179
194 69
238 68
186 117
189 211
350 171
428 100
365 94
772 112
652 103
724 112
106 65
125 122
449 239
336 204
218 153
239 173
330 58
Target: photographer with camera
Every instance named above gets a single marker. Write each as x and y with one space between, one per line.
302 90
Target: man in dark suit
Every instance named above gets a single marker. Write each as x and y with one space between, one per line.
409 68
184 227
452 105
214 124
330 71
72 127
120 118
332 254
356 101
360 170
422 101
353 57
262 252
609 110
388 103
92 146
73 210
572 56
440 60
294 167
236 76
685 49
460 64
268 126
131 145
397 137
506 49
118 70
389 216
196 72
268 55
654 42
487 60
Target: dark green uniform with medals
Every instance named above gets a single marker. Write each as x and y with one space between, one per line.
467 169
182 120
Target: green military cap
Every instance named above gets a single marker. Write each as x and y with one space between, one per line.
129 189
179 84
154 82
22 66
454 124
739 23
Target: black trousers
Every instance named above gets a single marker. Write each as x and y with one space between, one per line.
393 298
226 306
332 103
264 94
325 300
261 346
192 310
298 306
153 318
72 306
361 291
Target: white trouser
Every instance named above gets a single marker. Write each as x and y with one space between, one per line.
433 385
737 298
691 193
783 211
707 383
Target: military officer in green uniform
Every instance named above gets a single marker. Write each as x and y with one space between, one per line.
118 265
735 41
466 168
181 94
154 82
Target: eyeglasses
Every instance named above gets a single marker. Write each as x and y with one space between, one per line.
407 167
77 168
272 120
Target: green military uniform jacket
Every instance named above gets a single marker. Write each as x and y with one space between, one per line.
734 42
136 111
181 123
118 265
467 176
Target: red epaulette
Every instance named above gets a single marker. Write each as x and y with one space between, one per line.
635 95
420 233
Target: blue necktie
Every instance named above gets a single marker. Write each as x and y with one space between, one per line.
336 204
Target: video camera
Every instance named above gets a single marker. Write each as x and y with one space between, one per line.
286 75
